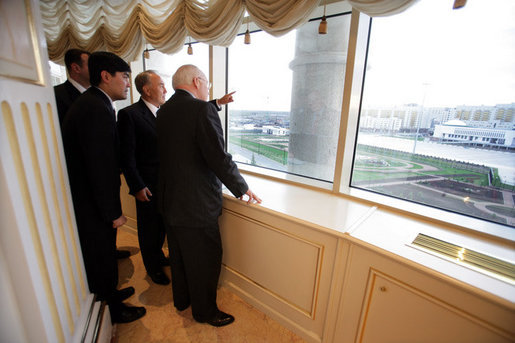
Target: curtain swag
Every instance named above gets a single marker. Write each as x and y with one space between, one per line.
381 8
125 26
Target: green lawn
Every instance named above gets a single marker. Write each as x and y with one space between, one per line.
268 150
445 168
276 148
502 210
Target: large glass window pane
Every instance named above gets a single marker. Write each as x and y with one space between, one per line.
166 65
288 98
57 73
437 115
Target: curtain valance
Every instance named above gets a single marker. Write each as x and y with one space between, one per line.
124 26
381 8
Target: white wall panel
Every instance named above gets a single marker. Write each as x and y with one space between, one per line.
286 265
409 303
396 312
44 286
282 267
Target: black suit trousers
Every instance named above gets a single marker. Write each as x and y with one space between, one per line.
98 243
151 235
196 261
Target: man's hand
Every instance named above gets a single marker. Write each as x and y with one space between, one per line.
143 194
227 98
252 197
119 221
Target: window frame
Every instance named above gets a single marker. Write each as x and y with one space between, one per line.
349 126
336 10
433 214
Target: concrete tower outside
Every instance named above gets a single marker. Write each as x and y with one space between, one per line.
317 92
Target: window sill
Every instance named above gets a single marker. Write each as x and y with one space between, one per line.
461 222
312 206
389 230
458 221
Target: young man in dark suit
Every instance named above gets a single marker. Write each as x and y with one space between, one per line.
76 62
193 166
91 147
66 93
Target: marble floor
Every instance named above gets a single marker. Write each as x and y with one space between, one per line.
163 323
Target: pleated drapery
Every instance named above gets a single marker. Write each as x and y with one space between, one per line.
125 26
381 8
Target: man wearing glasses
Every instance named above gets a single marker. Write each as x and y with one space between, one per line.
193 166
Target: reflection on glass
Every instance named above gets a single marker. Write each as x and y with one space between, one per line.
437 115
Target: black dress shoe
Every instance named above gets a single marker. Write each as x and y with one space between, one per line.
122 254
165 262
124 293
118 295
181 307
221 319
159 278
122 313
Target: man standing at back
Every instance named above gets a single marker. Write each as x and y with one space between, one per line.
91 147
193 166
66 93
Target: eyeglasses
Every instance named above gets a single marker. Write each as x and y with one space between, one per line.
208 83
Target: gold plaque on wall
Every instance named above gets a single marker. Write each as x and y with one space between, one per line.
20 57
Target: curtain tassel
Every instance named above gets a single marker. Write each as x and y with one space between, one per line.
459 4
247 34
247 37
322 28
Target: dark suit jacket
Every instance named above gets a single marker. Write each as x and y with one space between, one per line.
65 95
91 146
138 139
193 162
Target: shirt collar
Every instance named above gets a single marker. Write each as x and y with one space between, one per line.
110 100
77 85
151 107
187 92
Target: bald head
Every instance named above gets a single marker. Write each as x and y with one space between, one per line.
185 75
192 79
